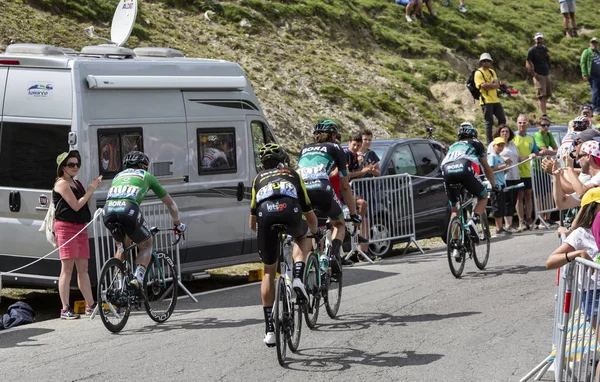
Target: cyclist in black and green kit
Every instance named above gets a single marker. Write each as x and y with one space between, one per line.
122 215
317 161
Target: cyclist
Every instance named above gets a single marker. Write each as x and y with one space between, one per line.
458 167
317 161
122 215
279 197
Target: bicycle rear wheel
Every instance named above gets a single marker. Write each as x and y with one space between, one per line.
333 297
311 283
113 296
280 311
161 287
454 240
295 325
481 251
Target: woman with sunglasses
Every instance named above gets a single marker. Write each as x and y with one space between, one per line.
71 216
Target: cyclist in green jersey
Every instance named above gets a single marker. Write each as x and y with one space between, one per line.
122 215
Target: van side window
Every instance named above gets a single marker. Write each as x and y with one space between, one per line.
113 145
28 154
216 151
260 136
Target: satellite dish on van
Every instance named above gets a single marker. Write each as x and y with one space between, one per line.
122 23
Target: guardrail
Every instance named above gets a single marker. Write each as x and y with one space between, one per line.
390 213
541 182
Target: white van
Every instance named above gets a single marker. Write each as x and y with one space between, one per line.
106 101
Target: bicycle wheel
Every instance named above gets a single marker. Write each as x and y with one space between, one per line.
160 285
311 283
295 325
113 296
481 251
454 240
280 311
334 290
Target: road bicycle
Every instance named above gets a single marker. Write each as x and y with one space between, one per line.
158 294
461 238
287 312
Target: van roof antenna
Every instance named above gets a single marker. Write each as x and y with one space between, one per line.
122 23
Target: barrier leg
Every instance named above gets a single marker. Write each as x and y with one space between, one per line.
355 249
413 240
543 371
186 291
543 366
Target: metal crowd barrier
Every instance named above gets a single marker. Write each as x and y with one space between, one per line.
390 213
543 200
155 214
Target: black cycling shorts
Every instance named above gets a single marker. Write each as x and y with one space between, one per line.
284 211
323 198
128 215
461 172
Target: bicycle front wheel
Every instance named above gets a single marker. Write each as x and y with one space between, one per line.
334 290
280 313
456 253
161 287
311 283
113 296
481 250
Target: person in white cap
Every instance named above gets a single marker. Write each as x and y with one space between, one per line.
567 8
538 64
487 83
590 71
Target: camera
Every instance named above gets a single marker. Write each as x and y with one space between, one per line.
430 129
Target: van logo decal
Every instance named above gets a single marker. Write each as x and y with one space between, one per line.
39 90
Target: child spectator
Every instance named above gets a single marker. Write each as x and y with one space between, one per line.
498 164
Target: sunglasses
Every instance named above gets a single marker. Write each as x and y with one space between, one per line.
73 165
545 124
486 60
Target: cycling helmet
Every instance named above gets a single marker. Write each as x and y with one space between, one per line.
581 123
467 131
325 126
136 159
272 151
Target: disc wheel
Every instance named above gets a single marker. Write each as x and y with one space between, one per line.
481 250
113 296
311 283
280 313
161 286
333 297
454 240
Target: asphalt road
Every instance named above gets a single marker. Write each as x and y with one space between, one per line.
405 318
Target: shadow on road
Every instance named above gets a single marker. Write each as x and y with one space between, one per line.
499 271
21 337
207 323
339 358
360 321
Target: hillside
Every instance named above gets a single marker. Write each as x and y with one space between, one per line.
356 61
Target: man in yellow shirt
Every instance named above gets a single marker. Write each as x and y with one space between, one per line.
487 83
527 148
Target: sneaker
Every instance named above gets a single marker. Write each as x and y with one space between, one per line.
456 254
540 226
269 339
347 262
68 314
298 286
409 19
89 309
413 17
511 230
574 33
522 227
446 3
503 232
462 9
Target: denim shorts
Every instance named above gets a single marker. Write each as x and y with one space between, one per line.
586 303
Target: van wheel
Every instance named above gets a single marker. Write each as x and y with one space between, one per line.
380 248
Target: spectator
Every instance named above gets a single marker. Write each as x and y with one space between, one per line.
527 148
538 64
354 172
412 7
511 156
590 70
587 110
461 6
429 4
498 165
487 82
72 214
368 158
567 8
544 139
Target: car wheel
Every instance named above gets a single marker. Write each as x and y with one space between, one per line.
380 248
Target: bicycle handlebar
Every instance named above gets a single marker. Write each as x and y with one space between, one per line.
155 230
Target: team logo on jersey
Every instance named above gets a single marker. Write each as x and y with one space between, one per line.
314 148
276 207
123 192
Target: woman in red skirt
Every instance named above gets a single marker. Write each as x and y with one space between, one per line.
72 214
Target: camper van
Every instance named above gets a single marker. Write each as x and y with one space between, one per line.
198 120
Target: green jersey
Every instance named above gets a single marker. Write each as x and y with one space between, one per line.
470 149
317 161
133 185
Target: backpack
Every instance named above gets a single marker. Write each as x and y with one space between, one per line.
48 224
475 92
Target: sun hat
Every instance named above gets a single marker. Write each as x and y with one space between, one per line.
499 141
538 35
485 56
61 158
592 148
592 195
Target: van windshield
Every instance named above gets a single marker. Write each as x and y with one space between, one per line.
28 154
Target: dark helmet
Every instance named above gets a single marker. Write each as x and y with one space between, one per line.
136 159
325 126
467 131
581 123
272 151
